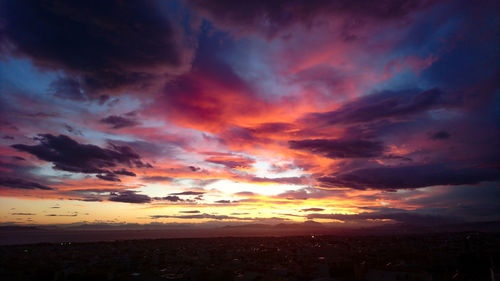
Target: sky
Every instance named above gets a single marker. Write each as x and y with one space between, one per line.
237 112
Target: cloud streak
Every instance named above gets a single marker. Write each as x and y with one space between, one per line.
67 154
407 177
18 183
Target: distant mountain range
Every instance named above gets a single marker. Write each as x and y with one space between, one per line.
16 234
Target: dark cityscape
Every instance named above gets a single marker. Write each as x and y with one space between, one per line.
446 256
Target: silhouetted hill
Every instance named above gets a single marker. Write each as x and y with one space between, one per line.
12 234
17 228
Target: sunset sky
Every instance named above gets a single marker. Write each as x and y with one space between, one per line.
236 112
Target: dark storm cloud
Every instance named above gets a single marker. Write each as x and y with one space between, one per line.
313 210
223 202
108 45
340 148
103 99
18 183
118 122
63 215
92 195
407 177
441 135
190 212
23 214
174 197
94 191
129 196
152 149
73 130
188 193
108 177
231 162
124 172
270 17
170 198
68 155
43 115
245 193
383 105
261 133
67 88
193 168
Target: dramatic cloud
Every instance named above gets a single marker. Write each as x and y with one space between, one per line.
108 46
313 210
441 135
231 162
390 178
245 193
190 212
188 193
272 17
340 148
108 177
170 198
118 122
124 172
22 184
67 88
62 215
68 155
129 196
383 105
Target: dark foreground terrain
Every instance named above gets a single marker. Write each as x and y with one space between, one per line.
451 256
